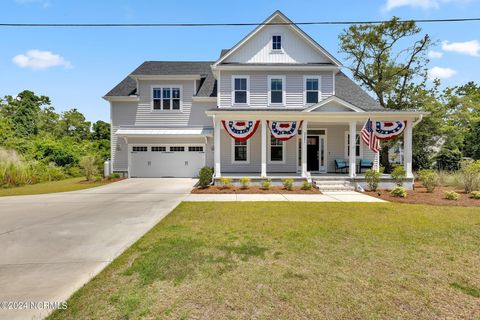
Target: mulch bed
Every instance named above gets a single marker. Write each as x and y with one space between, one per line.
250 190
420 196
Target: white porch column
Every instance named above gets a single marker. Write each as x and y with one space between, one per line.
264 148
304 148
407 149
216 147
352 152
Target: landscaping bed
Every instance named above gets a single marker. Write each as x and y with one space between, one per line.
420 196
251 190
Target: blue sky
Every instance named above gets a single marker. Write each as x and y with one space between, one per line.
75 67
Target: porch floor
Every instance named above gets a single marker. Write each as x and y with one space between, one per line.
297 175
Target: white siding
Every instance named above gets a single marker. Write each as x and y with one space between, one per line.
259 87
259 48
123 114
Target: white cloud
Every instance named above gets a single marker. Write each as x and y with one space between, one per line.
435 54
43 3
441 73
422 4
471 48
40 60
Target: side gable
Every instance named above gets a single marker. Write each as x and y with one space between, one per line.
297 46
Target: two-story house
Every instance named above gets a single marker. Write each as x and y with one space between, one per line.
275 105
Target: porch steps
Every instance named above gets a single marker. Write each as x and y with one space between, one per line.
334 185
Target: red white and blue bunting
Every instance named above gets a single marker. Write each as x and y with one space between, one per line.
388 130
284 130
241 130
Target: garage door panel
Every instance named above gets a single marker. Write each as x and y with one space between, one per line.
161 163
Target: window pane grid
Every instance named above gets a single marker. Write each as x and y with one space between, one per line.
277 42
166 98
240 88
312 90
276 91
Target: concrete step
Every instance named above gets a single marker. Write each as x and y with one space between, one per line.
334 185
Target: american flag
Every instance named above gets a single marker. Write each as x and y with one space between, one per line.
369 137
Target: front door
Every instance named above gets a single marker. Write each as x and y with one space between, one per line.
312 153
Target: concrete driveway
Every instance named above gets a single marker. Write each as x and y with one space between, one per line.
50 245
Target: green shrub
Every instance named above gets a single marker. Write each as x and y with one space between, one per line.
398 175
429 179
373 179
267 184
54 173
399 192
14 170
89 166
97 178
225 182
205 177
306 185
451 195
245 182
287 183
470 175
73 171
475 195
113 176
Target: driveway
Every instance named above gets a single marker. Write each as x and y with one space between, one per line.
52 244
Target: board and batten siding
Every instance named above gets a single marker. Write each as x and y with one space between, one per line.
259 48
294 87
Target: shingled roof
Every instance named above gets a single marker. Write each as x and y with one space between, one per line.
351 92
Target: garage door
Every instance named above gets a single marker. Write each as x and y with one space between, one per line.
166 161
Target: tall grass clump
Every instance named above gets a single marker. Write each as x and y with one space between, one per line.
14 170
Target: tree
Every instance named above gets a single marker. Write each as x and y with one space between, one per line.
101 130
384 66
73 124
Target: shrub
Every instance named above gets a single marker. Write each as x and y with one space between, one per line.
245 182
429 179
451 195
266 184
399 192
398 175
470 175
89 166
373 179
113 176
448 158
14 170
205 177
306 185
475 195
287 183
97 178
54 173
225 182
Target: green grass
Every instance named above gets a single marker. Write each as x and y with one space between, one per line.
294 261
50 187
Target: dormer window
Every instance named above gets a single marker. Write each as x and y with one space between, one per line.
166 98
277 43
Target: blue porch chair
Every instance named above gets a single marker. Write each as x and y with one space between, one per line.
341 164
365 164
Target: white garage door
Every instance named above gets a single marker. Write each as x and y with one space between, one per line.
152 161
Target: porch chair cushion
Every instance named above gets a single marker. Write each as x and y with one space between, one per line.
365 164
340 164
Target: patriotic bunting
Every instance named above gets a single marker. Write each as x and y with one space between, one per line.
284 130
241 130
373 132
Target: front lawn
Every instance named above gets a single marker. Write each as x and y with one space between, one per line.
72 184
294 261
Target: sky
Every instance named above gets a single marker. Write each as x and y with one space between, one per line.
76 67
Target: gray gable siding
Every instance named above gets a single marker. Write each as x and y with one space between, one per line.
259 87
122 114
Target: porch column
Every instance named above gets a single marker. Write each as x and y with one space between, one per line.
216 147
264 149
304 148
352 149
407 149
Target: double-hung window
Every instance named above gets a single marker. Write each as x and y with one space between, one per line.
166 98
240 90
240 151
358 146
277 43
276 150
312 92
277 90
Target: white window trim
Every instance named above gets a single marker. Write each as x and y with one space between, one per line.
269 152
161 86
319 78
284 87
234 104
233 153
277 51
347 142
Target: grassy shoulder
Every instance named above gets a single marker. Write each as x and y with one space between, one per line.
293 261
72 184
